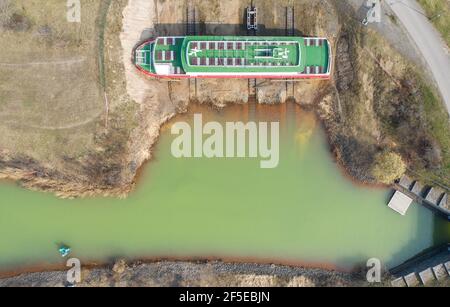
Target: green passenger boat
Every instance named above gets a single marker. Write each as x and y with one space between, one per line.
235 57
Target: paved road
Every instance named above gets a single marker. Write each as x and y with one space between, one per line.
428 41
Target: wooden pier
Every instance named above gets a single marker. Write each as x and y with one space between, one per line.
424 268
400 202
432 198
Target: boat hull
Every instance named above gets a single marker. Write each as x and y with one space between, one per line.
250 75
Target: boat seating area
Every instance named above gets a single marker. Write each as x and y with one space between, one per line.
165 55
217 61
314 70
204 61
167 41
270 64
176 70
314 42
237 45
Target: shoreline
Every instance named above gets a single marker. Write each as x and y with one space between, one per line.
340 165
215 108
48 267
45 268
146 18
191 274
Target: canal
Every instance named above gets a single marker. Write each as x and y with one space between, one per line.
304 211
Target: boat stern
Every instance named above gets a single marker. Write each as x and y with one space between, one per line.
317 58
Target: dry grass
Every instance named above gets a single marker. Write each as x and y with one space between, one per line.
49 94
53 74
52 108
439 127
439 13
387 105
411 117
6 12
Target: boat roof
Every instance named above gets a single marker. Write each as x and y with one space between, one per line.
237 54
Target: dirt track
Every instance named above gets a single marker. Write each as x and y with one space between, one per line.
137 16
153 96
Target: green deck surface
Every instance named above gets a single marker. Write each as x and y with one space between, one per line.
299 56
254 54
177 48
149 66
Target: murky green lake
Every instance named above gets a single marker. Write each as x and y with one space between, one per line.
303 211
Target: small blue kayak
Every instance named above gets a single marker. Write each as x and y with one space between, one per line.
64 251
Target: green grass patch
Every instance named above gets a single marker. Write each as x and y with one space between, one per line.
101 24
439 127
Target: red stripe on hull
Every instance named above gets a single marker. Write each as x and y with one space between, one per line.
320 77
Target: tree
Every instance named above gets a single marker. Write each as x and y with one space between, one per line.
387 167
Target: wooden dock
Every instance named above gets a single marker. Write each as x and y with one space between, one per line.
432 198
424 268
400 202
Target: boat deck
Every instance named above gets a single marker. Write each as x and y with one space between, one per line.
231 55
243 53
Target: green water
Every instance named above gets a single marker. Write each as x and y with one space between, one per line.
303 211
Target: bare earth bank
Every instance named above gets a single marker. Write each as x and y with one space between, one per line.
189 274
373 102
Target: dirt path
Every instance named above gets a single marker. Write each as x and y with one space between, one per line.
66 127
138 16
157 105
59 62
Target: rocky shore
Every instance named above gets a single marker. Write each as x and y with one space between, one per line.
191 274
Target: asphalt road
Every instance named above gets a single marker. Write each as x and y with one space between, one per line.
428 40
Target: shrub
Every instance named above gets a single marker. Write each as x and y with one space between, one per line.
387 167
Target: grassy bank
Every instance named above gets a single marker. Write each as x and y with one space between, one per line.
47 110
439 13
61 121
101 24
53 74
384 105
439 127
